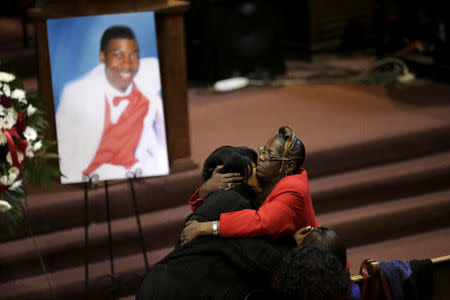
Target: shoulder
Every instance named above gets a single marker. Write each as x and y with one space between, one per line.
228 194
149 63
148 78
229 198
91 78
294 183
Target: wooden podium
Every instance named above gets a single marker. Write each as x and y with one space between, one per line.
169 19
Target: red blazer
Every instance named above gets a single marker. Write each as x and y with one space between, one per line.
287 208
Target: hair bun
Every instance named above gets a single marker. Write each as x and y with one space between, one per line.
286 132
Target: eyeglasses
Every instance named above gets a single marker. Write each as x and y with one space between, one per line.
263 152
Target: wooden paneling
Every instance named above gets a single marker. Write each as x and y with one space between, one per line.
172 54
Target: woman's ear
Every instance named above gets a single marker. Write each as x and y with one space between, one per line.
290 167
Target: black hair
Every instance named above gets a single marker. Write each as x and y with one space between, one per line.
234 160
248 152
312 273
326 238
116 32
291 147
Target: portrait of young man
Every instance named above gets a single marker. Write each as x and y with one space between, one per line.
110 121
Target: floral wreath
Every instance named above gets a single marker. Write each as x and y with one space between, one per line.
22 128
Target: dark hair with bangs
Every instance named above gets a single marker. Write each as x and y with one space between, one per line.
234 160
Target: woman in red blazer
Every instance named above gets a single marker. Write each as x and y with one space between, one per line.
287 205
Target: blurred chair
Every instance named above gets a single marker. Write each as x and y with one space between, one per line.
374 283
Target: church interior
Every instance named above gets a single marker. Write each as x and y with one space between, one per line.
377 135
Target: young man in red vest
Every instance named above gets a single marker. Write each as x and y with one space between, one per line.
111 120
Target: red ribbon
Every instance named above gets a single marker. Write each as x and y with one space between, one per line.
12 147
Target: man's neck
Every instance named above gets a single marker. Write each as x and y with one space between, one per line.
114 92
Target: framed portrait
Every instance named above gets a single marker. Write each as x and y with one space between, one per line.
107 97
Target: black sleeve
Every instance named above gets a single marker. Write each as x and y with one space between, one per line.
219 202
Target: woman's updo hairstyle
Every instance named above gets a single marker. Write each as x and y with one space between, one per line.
291 147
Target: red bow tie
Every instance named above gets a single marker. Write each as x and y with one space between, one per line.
130 97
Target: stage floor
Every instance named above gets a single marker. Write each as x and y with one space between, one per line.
324 116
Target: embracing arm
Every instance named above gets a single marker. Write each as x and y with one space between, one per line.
216 182
281 216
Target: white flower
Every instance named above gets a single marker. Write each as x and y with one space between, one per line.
8 122
20 157
14 171
12 177
5 180
18 94
11 111
37 145
30 133
29 151
31 110
3 139
15 185
6 90
6 77
4 206
2 110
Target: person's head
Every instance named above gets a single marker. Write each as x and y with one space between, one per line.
282 155
311 273
326 238
119 51
234 160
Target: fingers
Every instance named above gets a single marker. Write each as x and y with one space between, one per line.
218 168
232 180
188 222
305 229
233 177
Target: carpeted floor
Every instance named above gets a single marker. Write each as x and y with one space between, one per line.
323 116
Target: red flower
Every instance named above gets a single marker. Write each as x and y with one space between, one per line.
20 125
2 188
5 101
22 145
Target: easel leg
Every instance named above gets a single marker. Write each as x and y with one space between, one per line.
111 256
138 220
86 241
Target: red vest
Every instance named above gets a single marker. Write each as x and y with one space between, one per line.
119 141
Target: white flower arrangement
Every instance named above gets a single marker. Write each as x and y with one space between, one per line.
22 127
